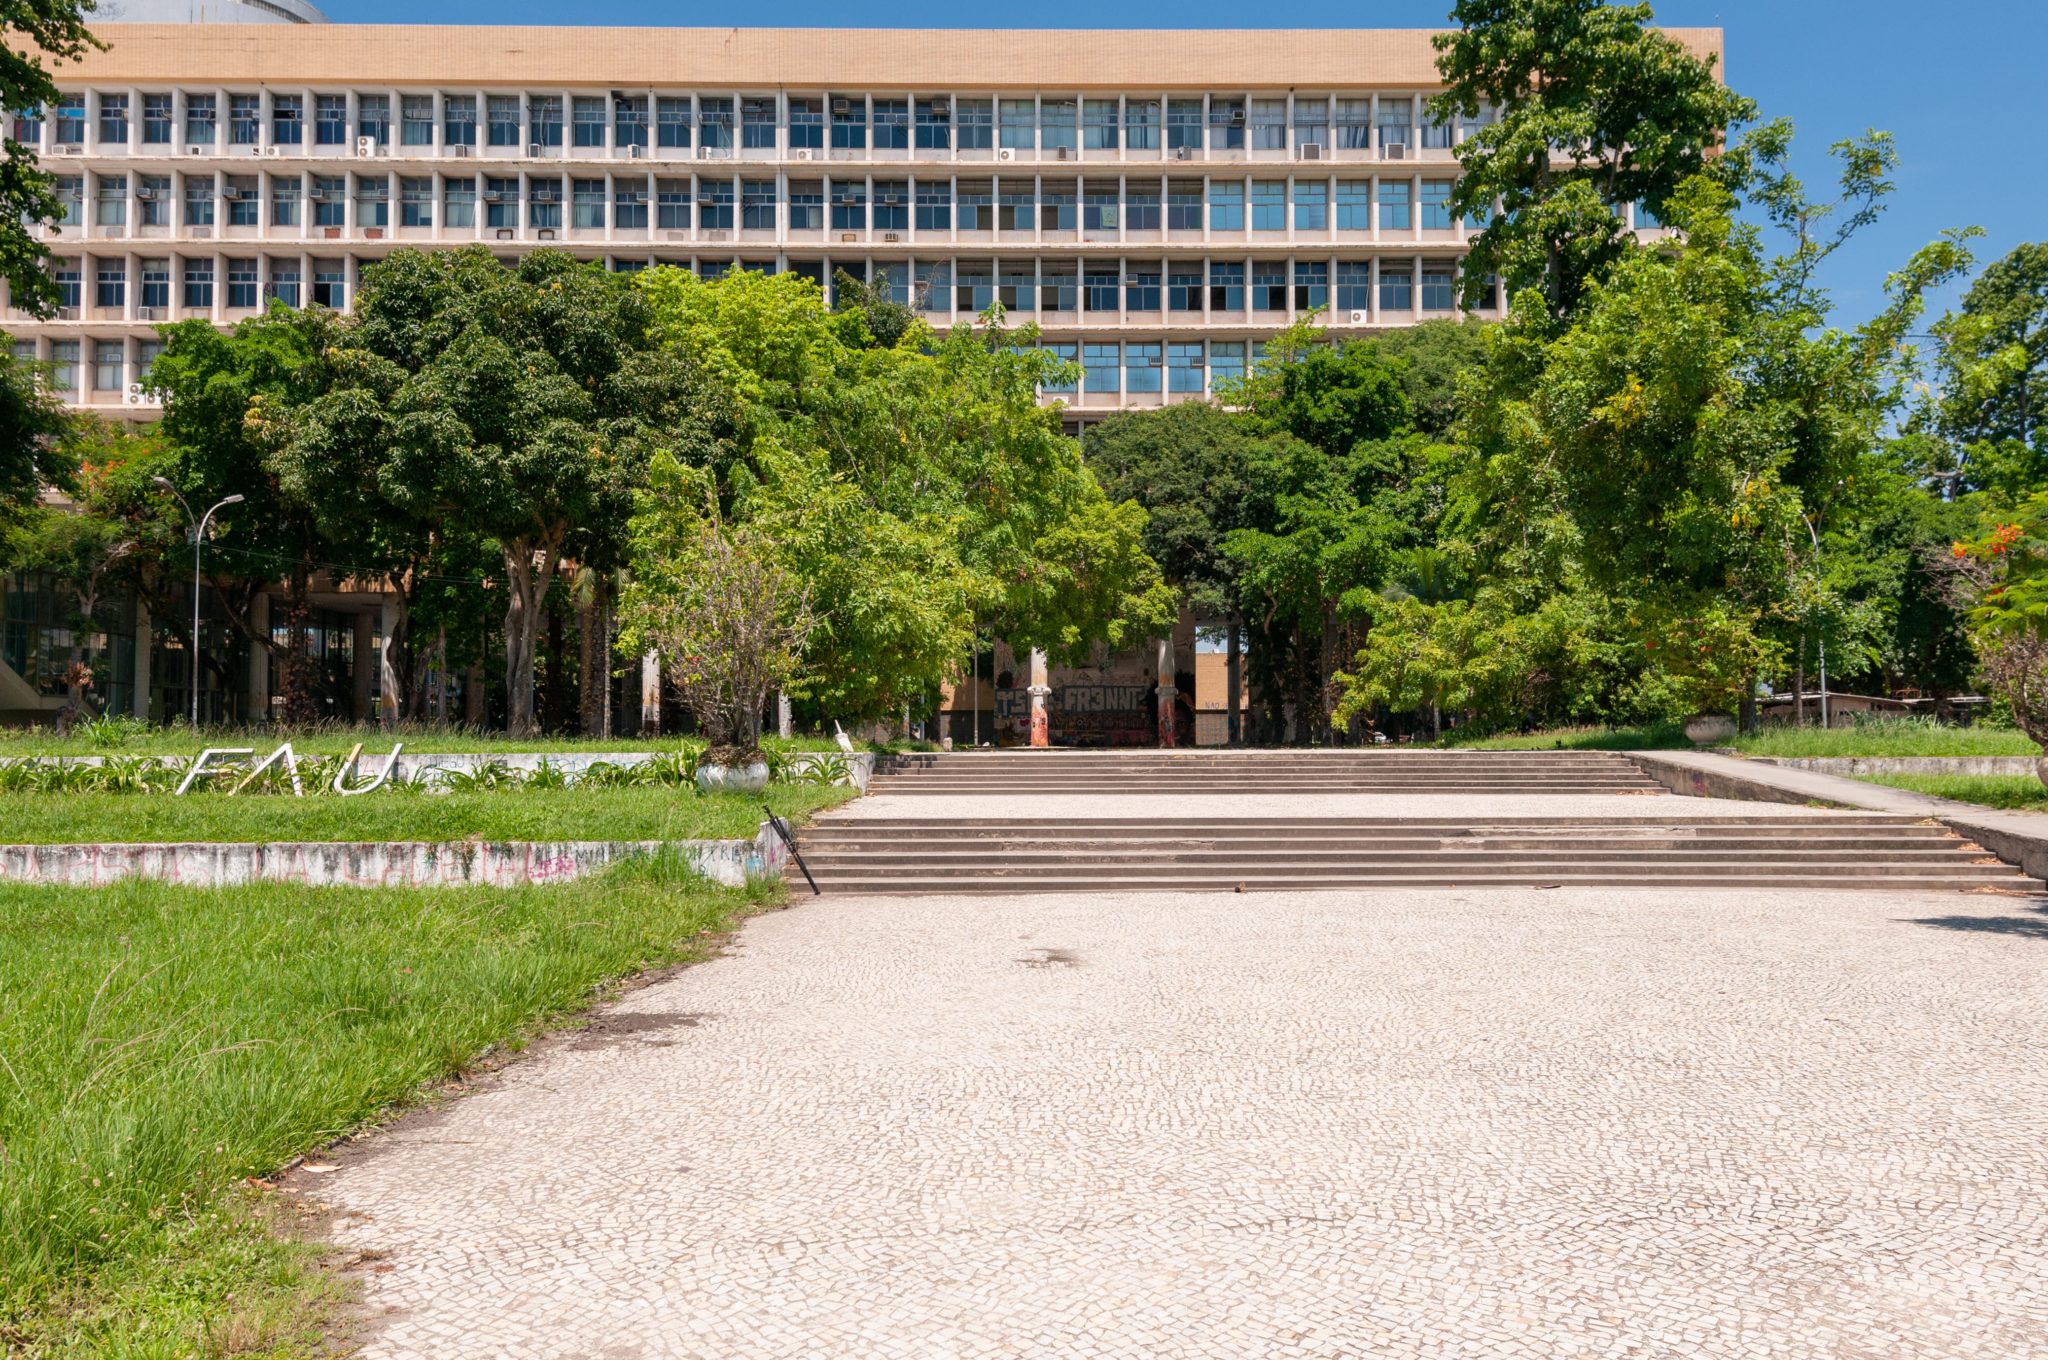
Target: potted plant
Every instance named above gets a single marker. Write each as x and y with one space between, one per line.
710 595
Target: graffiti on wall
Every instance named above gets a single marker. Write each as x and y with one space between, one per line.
1085 714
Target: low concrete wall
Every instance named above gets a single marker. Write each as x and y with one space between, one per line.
1860 765
860 765
377 864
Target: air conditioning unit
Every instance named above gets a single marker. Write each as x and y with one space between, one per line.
533 148
195 151
1005 154
255 150
1360 318
545 234
497 196
149 313
1063 153
636 153
842 106
1394 151
66 150
504 233
710 153
458 151
135 389
143 399
801 153
1311 151
1183 153
67 314
145 194
234 194
273 151
366 146
890 238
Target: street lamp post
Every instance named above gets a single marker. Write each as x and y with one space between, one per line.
198 541
1820 634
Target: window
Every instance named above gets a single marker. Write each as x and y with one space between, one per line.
199 284
1141 288
64 365
1141 124
757 124
672 204
544 204
458 202
1269 205
1017 285
757 205
807 207
1436 205
1397 288
284 203
587 120
1226 207
629 121
287 119
1311 285
373 117
1354 124
416 120
849 207
1020 124
502 120
245 119
586 206
1068 356
892 124
28 128
1184 288
1101 289
1056 124
1354 286
242 283
70 199
892 282
933 291
110 284
1396 123
153 201
156 284
1354 205
284 282
1015 206
415 203
934 124
200 113
1100 368
1269 286
1184 205
501 203
70 283
849 122
1269 125
330 205
1469 125
108 360
1099 124
1099 206
629 205
1439 288
544 119
976 207
1184 366
1226 363
1646 218
373 201
458 120
976 118
714 122
1226 124
1059 286
1434 134
330 284
1395 214
147 352
1311 122
934 206
330 119
113 120
1058 206
1226 286
974 287
1184 124
69 119
1141 367
1311 205
1141 206
157 120
714 204
111 210
806 124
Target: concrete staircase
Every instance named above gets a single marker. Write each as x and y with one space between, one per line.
1163 850
1170 772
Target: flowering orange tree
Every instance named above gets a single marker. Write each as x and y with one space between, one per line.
2006 571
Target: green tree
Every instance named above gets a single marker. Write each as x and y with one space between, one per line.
33 32
1593 109
33 424
1995 370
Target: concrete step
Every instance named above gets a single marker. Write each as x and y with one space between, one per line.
1668 853
1719 876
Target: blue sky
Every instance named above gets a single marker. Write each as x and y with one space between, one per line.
1959 83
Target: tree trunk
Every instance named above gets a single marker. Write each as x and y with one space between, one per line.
1799 686
1746 710
295 674
554 702
530 564
593 628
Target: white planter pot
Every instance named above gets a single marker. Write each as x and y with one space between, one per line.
733 778
1709 729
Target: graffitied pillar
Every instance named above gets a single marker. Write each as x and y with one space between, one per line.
145 639
1233 672
259 662
1167 693
388 682
784 720
1041 721
650 693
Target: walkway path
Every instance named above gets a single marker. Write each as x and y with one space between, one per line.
1398 1124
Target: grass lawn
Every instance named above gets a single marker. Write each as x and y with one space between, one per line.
1883 737
121 737
1654 737
159 1044
2021 791
647 812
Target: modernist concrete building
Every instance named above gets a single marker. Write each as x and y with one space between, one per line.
1158 202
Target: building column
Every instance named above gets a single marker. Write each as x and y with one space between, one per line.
1041 722
139 664
650 694
1233 673
785 720
259 661
1167 693
387 670
365 639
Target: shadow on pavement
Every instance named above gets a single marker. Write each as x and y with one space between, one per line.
2033 925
